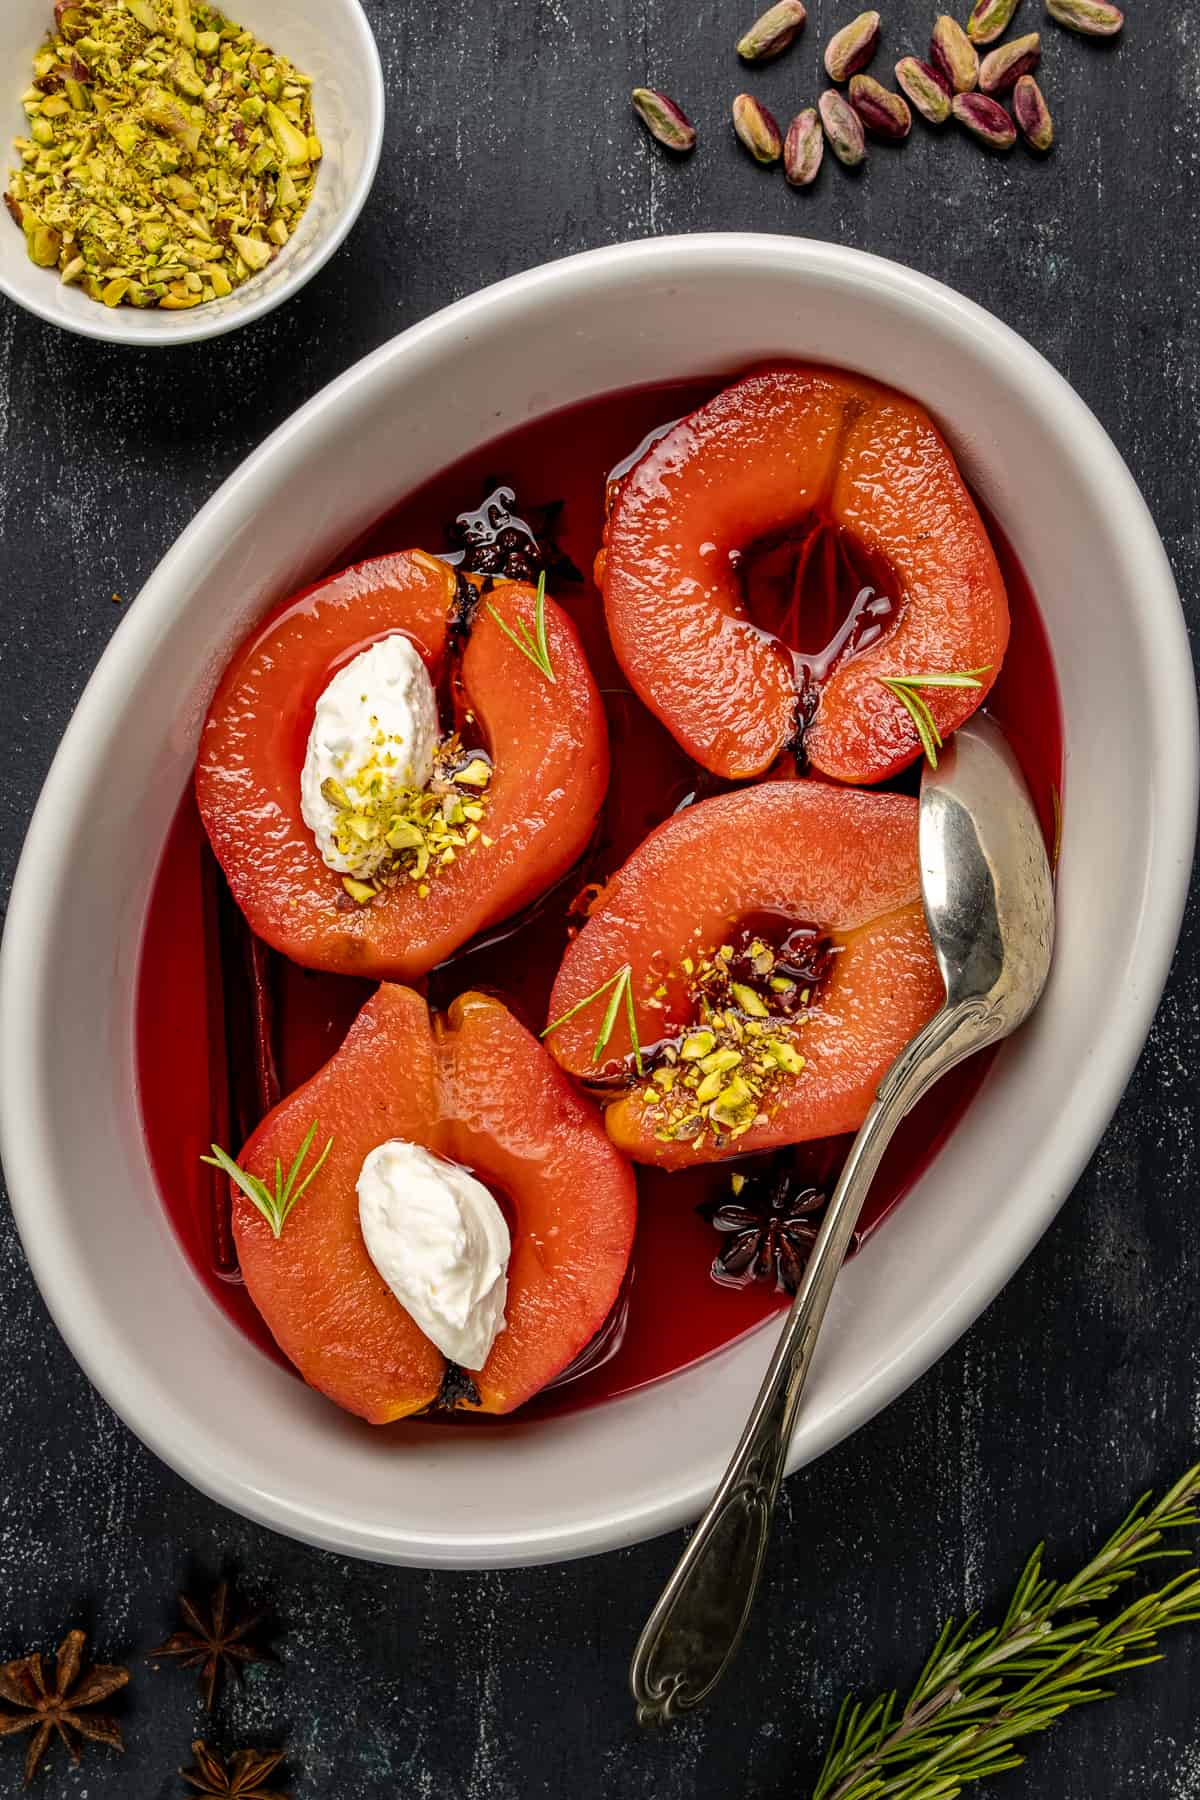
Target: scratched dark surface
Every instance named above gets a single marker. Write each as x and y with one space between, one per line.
509 142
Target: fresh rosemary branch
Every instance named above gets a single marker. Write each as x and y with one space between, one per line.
907 690
276 1207
531 643
981 1691
618 987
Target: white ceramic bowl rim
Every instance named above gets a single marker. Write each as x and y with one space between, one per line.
1054 1160
319 237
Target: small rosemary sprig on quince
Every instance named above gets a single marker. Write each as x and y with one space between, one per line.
531 643
907 690
275 1206
618 987
981 1691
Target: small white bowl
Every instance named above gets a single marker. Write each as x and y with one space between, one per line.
95 1231
331 41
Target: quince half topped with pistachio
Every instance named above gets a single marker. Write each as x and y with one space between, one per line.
397 759
772 960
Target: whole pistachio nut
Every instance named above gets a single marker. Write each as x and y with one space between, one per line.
772 34
925 87
1004 66
985 119
852 48
803 148
665 121
1092 18
757 129
1032 114
843 128
954 55
990 19
881 111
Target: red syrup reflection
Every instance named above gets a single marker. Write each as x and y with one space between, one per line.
672 1314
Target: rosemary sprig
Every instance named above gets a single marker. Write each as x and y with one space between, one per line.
531 643
907 690
981 1691
618 987
276 1207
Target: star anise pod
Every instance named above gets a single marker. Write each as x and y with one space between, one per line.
242 1777
44 1707
496 540
215 1640
770 1222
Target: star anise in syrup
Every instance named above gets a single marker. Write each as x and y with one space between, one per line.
241 1777
496 540
770 1223
215 1639
44 1706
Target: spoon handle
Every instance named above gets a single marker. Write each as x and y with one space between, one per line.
691 1636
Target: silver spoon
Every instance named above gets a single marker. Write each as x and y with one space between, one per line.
989 904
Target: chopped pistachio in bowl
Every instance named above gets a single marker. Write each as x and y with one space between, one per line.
169 154
179 170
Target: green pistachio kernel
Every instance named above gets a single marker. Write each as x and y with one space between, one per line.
710 1087
785 1055
362 891
749 1001
732 1061
45 246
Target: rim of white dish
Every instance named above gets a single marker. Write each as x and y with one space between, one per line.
195 328
1054 1164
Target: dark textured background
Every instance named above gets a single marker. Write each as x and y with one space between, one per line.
509 142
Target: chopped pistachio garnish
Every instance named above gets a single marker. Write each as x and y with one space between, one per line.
726 1072
407 833
169 154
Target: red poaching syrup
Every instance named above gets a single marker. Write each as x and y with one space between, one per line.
674 1313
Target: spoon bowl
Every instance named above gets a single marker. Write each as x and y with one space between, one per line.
988 893
977 819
